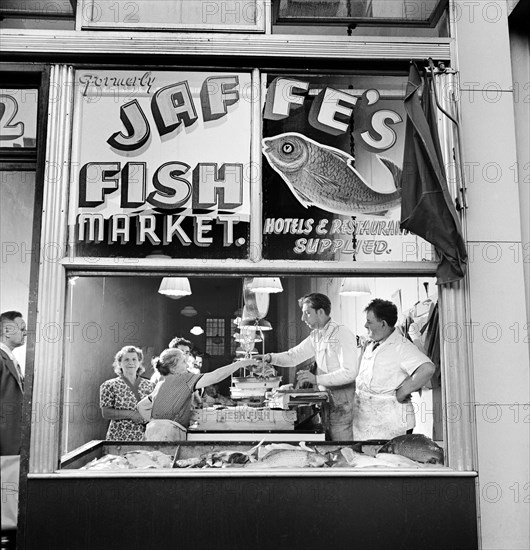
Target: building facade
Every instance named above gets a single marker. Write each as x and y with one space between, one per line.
138 143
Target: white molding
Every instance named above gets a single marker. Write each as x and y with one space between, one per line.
47 386
458 402
211 44
148 266
458 397
188 473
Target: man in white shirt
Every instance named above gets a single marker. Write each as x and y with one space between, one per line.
391 368
334 348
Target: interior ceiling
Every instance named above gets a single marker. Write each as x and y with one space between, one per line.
212 294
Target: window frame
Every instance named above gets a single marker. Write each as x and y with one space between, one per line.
262 8
52 295
353 22
35 76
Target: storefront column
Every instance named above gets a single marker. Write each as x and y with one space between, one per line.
47 398
497 305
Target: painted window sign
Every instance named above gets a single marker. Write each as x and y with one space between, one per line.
18 118
333 151
161 162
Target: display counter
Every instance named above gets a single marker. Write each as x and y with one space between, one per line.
232 508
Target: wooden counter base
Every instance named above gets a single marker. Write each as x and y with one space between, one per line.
254 513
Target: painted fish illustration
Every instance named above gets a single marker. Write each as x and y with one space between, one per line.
417 447
323 176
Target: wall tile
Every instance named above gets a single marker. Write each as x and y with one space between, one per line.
499 336
483 49
503 444
490 166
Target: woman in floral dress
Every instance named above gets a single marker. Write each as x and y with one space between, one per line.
119 396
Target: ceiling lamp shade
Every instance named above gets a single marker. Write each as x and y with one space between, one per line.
175 286
261 324
267 285
188 311
355 287
197 330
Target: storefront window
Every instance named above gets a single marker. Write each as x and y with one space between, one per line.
18 118
198 15
18 140
366 12
17 194
104 314
426 18
331 180
162 161
38 14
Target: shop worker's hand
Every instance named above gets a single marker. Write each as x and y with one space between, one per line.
306 376
402 396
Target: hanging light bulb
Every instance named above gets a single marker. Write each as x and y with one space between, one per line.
266 285
355 286
175 286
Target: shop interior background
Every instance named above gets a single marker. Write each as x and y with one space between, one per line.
106 313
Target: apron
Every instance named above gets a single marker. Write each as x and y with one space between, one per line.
164 430
376 415
338 412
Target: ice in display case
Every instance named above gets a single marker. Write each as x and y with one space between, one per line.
138 457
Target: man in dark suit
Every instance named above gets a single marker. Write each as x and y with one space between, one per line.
12 335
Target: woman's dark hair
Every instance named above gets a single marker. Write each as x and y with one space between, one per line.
316 301
383 310
178 341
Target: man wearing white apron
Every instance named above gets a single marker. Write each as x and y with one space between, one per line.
334 348
391 368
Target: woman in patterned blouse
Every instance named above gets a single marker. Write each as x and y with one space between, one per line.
119 396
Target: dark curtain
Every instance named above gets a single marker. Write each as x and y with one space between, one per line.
427 209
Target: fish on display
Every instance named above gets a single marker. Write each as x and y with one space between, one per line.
398 461
290 459
192 462
323 176
417 447
359 460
